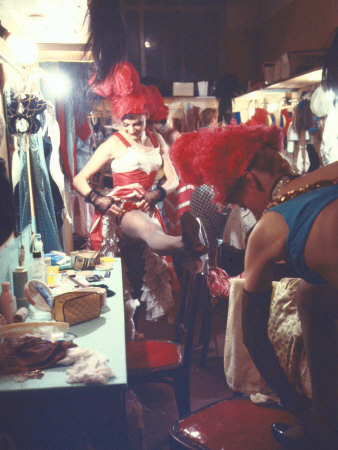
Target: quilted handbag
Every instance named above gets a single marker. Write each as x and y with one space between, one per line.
218 282
75 307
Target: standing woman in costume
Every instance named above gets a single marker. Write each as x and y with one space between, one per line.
128 213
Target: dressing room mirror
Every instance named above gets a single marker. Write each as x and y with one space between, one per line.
44 106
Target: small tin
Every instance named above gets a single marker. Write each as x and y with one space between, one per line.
20 277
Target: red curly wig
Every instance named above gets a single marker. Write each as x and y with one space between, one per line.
125 92
218 157
161 110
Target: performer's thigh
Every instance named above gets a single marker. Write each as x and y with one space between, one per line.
135 224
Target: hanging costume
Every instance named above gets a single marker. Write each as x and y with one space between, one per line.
134 174
299 215
24 124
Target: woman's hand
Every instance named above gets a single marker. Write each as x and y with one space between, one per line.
114 209
143 205
152 197
103 203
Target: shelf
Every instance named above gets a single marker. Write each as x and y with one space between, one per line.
298 82
301 81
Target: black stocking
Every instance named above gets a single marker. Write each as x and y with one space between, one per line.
317 308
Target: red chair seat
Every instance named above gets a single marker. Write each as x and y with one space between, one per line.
152 354
231 424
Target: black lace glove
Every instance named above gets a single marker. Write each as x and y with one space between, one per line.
155 196
101 203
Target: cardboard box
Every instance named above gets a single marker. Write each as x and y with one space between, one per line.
183 89
268 70
293 63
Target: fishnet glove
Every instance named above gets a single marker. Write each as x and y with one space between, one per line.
101 203
152 197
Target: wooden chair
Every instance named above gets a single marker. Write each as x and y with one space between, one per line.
156 361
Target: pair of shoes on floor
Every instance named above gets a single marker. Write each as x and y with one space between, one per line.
192 236
279 432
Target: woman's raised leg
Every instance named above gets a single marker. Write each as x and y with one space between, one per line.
138 225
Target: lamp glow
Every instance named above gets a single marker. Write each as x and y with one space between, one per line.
24 51
58 83
272 107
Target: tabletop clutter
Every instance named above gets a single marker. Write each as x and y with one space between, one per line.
56 292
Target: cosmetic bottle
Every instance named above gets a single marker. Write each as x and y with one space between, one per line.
8 303
38 269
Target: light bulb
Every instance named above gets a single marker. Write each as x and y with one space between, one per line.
58 83
24 51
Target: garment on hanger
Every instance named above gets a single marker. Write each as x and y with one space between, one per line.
52 131
23 114
325 104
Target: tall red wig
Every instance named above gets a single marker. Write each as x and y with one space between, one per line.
160 110
218 157
123 88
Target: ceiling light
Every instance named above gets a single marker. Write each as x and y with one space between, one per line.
23 50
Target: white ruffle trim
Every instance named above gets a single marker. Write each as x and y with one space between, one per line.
156 288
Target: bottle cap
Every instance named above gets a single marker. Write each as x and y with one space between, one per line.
20 269
36 254
5 284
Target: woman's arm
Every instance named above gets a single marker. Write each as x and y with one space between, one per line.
101 156
265 247
169 171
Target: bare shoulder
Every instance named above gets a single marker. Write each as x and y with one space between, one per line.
161 142
329 172
111 147
269 236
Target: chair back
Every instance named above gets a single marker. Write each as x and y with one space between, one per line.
193 297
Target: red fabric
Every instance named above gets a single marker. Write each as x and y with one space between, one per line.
175 204
152 354
218 282
235 425
260 117
288 119
124 192
83 130
60 115
128 144
122 139
135 176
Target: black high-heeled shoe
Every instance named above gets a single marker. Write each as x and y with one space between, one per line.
191 235
279 432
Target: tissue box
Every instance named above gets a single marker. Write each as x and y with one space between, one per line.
183 89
